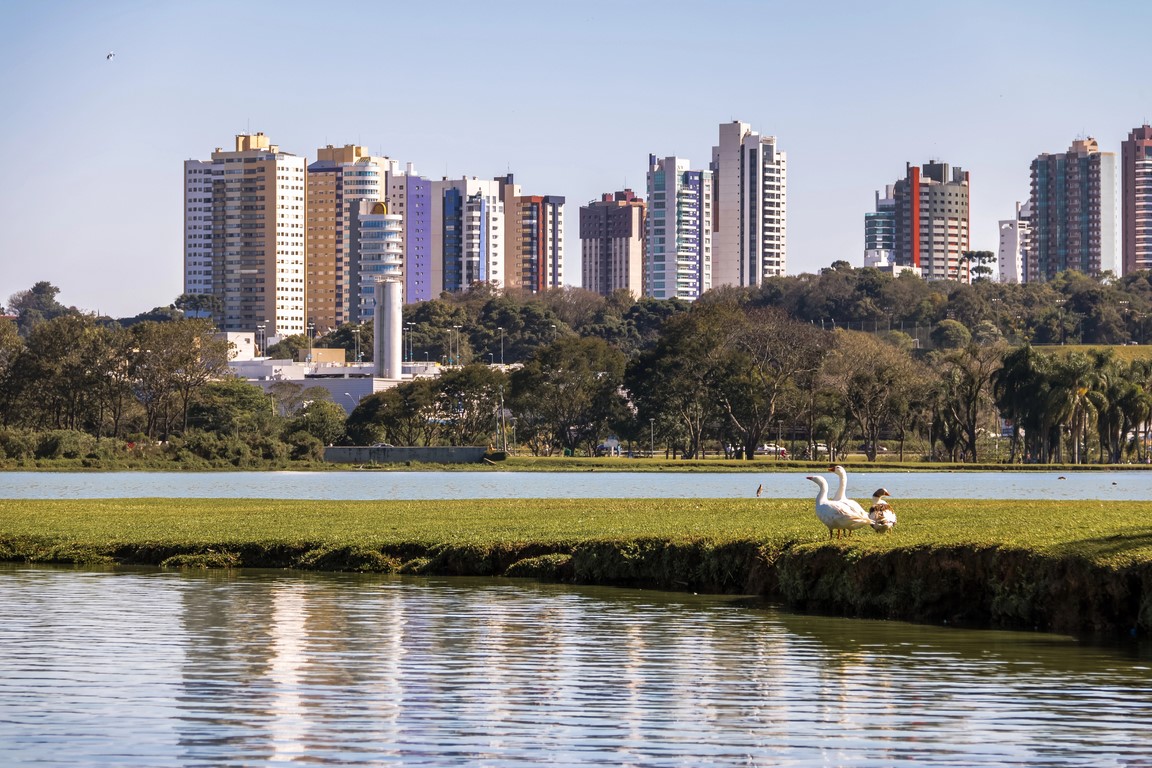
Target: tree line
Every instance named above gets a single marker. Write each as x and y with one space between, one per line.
844 357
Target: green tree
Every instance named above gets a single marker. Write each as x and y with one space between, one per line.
765 353
232 407
570 391
288 348
36 305
671 383
173 361
950 334
874 381
469 400
323 419
406 414
965 393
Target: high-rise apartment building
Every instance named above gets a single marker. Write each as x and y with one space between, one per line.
376 243
678 241
750 230
467 233
338 181
534 246
932 221
244 235
1014 235
612 244
1073 218
411 196
1136 199
880 231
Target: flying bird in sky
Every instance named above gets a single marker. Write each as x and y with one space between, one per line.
111 55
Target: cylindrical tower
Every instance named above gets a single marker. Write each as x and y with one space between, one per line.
389 324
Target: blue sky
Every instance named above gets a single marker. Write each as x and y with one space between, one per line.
570 97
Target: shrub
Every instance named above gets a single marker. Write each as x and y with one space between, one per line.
17 444
304 446
64 444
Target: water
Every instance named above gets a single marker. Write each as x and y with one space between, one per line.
148 668
1105 486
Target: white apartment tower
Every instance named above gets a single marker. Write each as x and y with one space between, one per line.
750 230
244 235
376 243
1014 235
678 246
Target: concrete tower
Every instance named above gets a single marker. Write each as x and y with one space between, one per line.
389 325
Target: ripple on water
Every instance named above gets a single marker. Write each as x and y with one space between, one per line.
141 668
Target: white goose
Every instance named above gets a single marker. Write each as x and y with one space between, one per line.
837 515
842 491
881 514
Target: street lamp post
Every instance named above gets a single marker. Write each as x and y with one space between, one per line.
456 360
356 333
260 340
409 327
651 438
311 330
501 329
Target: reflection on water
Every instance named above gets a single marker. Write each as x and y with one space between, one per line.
228 669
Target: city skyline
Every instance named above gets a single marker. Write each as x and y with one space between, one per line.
95 146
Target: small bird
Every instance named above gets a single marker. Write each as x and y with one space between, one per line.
111 55
759 490
839 516
881 514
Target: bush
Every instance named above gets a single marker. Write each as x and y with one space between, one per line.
17 444
305 447
64 444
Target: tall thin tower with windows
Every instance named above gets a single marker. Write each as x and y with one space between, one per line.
1136 199
750 220
678 247
1073 219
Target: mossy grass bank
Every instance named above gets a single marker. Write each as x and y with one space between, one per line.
1080 567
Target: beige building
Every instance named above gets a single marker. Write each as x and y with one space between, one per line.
612 244
750 210
338 181
244 235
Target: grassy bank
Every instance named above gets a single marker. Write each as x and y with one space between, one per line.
1078 567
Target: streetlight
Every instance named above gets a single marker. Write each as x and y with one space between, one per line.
355 402
501 329
409 327
356 332
311 330
260 339
490 361
651 436
456 328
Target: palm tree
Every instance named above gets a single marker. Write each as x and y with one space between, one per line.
1016 387
1075 400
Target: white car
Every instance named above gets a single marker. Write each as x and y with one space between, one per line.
771 449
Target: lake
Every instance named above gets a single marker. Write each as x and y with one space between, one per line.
352 485
170 668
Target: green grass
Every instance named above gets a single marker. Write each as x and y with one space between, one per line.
1101 531
1078 567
